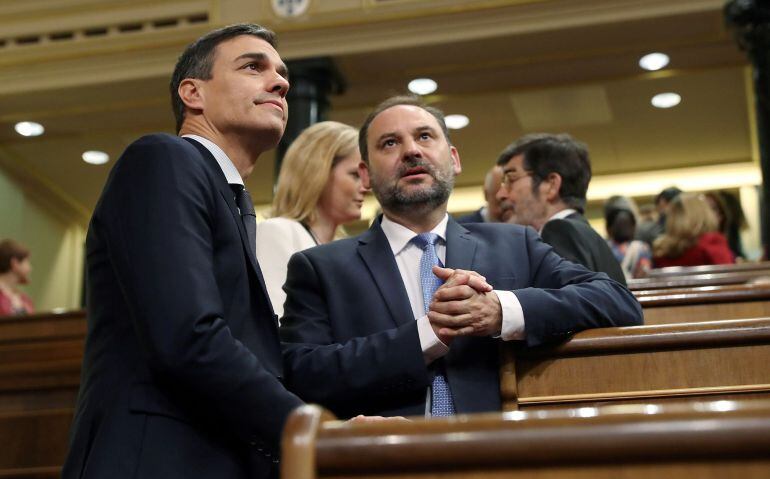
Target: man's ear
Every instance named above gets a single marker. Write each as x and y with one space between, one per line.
363 172
455 155
191 93
553 180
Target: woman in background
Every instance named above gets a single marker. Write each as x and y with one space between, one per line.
318 190
691 237
633 255
14 270
730 217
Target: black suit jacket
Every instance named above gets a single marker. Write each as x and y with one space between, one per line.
351 341
182 367
475 217
574 239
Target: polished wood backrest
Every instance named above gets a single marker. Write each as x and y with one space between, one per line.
705 303
512 444
705 279
651 363
40 359
708 269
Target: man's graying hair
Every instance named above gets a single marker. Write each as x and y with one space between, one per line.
396 101
545 153
198 58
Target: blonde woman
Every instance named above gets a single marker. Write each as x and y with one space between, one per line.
691 237
318 190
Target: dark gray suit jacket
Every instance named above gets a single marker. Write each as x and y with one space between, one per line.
351 341
574 239
182 366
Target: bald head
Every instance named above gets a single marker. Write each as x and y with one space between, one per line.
491 185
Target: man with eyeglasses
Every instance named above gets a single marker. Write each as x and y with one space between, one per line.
368 326
545 179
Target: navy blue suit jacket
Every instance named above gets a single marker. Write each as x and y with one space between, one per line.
182 367
350 338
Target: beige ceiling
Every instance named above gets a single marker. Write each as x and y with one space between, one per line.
583 80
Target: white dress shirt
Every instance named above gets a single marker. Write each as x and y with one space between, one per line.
228 168
407 256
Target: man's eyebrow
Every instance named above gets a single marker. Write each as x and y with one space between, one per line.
261 57
386 135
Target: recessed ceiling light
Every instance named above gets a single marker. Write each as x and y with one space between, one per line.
653 61
29 128
96 157
455 122
422 86
666 100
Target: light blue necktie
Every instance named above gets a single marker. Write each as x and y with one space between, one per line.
441 395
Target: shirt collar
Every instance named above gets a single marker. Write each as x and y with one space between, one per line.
225 163
399 236
562 214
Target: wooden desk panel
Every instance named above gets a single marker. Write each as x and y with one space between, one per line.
685 440
644 363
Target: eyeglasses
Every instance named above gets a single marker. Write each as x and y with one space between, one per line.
509 178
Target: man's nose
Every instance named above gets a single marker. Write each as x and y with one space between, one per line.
280 85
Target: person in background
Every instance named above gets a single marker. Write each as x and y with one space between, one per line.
491 212
647 232
319 189
15 268
545 181
634 256
692 236
731 219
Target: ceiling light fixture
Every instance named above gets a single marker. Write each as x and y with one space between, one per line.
422 86
29 128
455 122
666 100
654 61
94 157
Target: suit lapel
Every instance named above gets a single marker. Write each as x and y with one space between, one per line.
460 246
227 194
374 249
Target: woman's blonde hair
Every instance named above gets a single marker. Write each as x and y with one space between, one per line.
307 166
688 217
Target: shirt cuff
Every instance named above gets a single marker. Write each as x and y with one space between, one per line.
432 347
513 316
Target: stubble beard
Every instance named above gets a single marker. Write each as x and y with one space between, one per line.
392 197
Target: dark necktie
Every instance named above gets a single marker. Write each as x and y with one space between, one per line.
441 396
248 216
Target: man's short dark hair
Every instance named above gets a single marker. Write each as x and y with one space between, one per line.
396 101
10 249
668 194
198 58
545 153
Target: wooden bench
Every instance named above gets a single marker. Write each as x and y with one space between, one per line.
654 364
706 303
670 271
40 361
695 280
682 441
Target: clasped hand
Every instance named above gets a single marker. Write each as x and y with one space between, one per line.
464 306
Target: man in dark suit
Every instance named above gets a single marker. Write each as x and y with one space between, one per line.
545 180
182 372
363 330
491 212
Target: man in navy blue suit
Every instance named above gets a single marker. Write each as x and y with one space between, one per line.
182 371
363 330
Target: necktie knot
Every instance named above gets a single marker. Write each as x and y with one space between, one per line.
243 200
248 215
422 240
